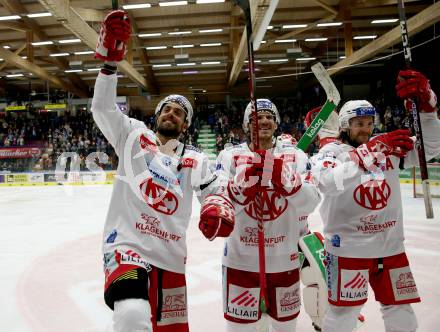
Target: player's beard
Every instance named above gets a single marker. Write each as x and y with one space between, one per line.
169 132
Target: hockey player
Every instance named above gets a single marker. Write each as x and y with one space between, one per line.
276 173
144 242
362 210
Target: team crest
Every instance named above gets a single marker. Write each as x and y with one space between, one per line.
159 198
273 205
373 194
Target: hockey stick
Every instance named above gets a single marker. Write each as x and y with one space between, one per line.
333 99
245 6
415 116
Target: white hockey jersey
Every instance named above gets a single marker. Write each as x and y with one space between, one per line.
280 215
151 203
361 210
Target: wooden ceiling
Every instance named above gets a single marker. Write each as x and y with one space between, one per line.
216 59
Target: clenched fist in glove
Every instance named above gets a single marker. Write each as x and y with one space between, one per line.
217 217
113 36
410 84
396 143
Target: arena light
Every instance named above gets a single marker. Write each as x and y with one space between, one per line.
59 54
7 47
153 34
294 26
69 41
210 44
45 14
73 71
365 37
183 46
210 30
329 24
173 3
278 60
48 42
342 57
315 39
137 6
178 33
8 18
93 69
278 41
206 63
186 64
209 1
83 52
155 47
14 75
190 72
391 20
162 65
305 59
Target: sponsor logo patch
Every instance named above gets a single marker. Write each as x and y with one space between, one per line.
354 285
404 287
288 300
243 303
111 238
173 307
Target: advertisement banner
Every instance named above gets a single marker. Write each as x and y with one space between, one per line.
93 177
36 177
16 178
50 178
110 176
19 152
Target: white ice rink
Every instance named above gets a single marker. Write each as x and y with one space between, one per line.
51 272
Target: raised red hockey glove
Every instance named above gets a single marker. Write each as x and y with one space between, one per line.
217 217
113 36
410 84
396 143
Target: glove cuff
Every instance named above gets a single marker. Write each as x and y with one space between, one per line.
109 68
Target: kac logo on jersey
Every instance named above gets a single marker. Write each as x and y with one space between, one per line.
273 205
373 194
159 198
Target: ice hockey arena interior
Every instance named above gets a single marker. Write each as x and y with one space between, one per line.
58 169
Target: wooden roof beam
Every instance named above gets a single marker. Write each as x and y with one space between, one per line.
327 7
16 7
418 22
257 9
17 52
17 61
72 21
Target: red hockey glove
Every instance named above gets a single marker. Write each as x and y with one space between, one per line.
410 84
329 131
217 217
396 143
113 36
